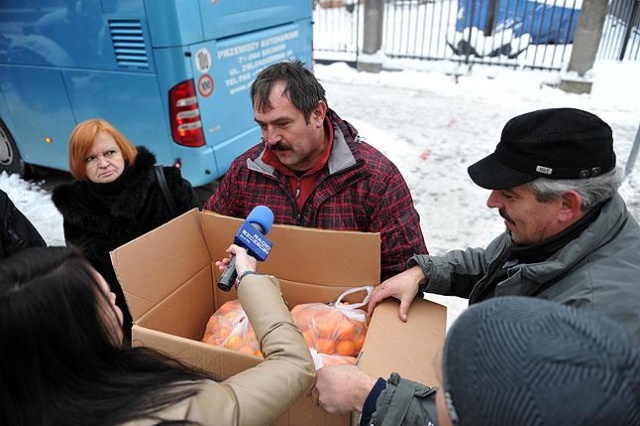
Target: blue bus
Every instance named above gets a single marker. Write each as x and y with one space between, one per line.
172 75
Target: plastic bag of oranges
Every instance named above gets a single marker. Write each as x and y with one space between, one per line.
323 360
229 327
338 328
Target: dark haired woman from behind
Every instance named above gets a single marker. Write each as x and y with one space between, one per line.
62 361
116 197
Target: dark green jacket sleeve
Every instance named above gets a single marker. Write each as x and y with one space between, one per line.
405 403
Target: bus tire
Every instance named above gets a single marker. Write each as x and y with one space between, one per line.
10 159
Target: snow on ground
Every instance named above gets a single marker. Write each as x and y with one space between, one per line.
433 124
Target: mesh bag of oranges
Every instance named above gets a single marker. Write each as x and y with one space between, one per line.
336 328
229 327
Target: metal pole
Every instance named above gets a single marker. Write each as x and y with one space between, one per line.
627 33
633 155
491 17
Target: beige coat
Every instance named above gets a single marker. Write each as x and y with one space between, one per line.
259 395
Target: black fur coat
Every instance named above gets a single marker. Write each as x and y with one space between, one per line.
16 232
99 217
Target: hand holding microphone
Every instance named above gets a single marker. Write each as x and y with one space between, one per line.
250 237
243 261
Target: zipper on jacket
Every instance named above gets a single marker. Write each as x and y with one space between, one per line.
297 193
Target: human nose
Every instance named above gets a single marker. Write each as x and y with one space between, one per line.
271 136
102 162
494 200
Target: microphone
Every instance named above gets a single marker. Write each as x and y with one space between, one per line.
250 236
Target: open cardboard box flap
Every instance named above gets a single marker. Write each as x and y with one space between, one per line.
158 263
151 267
170 283
407 348
306 255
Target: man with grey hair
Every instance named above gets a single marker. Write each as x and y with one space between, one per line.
569 236
569 239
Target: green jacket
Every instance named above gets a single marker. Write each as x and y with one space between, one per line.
405 403
598 270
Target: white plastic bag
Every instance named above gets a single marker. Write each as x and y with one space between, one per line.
338 328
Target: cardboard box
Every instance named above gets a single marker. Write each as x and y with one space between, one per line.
169 280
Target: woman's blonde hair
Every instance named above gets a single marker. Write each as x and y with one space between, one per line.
82 138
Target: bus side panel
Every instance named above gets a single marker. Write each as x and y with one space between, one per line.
5 115
40 114
225 18
198 164
223 72
129 101
173 23
180 22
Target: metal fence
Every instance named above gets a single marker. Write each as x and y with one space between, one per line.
518 33
336 31
621 35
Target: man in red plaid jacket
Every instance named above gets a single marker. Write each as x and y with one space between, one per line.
312 169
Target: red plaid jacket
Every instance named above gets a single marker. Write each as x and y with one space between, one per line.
358 190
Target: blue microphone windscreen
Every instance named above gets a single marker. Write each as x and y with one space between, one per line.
263 216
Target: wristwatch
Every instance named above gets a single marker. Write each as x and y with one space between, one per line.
244 274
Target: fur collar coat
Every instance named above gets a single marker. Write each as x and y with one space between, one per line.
99 217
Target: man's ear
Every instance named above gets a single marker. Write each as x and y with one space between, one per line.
571 209
319 113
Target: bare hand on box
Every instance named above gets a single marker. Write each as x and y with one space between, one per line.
403 287
341 389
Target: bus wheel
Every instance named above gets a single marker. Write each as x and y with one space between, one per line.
10 159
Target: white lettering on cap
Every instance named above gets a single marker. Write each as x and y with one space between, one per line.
543 169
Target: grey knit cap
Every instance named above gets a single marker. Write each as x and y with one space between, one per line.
513 361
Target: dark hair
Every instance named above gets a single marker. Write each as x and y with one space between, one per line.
301 86
59 363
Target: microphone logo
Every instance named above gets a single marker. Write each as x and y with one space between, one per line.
253 240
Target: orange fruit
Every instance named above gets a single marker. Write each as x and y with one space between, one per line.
222 332
325 329
346 331
233 342
325 346
346 347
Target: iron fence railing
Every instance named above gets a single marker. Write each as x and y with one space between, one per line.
621 33
518 33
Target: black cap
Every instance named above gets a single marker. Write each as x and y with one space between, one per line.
556 143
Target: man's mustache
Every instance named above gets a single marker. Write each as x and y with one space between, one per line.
505 216
279 147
